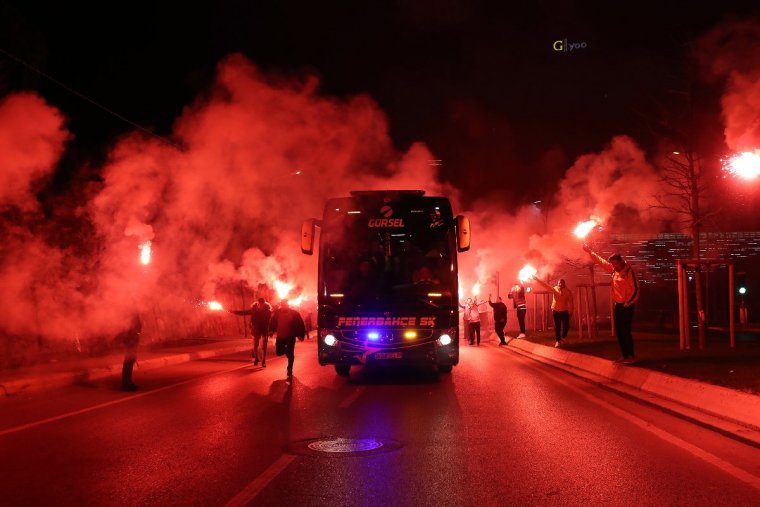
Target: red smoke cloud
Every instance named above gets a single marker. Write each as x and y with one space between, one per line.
731 52
251 158
616 181
223 204
616 185
32 139
259 155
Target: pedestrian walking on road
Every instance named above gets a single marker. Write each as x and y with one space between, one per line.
472 319
130 337
288 325
517 295
499 318
624 292
308 322
562 308
261 313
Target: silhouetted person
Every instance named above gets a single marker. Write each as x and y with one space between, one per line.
624 291
308 323
131 339
424 276
260 313
288 325
562 307
363 280
499 318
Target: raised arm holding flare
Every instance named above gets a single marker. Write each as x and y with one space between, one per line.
562 307
260 312
624 292
517 295
472 319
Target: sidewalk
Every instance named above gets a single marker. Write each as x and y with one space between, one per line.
732 412
76 371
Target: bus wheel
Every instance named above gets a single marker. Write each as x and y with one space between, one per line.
445 368
342 369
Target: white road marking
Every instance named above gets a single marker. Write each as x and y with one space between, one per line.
727 467
352 397
256 486
112 402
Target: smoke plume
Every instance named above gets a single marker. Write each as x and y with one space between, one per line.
731 52
614 187
221 205
32 139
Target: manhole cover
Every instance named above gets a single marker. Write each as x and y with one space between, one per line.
345 445
340 446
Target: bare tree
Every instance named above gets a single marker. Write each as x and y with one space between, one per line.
683 196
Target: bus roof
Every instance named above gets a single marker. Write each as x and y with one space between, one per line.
362 193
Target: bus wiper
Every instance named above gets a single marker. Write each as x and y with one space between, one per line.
430 303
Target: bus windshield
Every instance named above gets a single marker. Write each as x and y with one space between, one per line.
365 263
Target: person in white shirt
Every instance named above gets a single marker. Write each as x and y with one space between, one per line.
472 318
517 295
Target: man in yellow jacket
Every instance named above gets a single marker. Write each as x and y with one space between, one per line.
562 307
624 291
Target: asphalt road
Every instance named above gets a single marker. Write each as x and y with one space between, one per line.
502 429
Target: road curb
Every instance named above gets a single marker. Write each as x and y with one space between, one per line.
51 381
721 402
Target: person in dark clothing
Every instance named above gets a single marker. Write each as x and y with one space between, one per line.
308 322
424 276
260 313
131 339
288 325
363 280
499 318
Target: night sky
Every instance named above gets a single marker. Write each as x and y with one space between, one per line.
478 82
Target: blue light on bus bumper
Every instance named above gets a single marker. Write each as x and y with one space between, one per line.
373 335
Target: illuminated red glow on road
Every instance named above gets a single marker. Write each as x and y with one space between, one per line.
745 165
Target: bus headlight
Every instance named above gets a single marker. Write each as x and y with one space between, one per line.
330 340
444 339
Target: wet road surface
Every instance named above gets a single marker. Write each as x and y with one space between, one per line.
500 430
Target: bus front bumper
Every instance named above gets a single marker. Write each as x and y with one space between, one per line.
426 353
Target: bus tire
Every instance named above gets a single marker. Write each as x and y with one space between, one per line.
445 368
343 369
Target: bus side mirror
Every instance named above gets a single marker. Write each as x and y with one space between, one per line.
308 231
463 233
